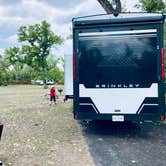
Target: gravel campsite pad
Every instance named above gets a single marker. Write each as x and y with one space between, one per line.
36 133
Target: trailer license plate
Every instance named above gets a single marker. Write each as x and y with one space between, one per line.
118 118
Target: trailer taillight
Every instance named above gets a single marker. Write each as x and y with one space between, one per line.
162 118
162 64
75 116
74 65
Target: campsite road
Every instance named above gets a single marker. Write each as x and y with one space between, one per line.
126 144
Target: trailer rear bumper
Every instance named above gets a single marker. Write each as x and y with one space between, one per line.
122 117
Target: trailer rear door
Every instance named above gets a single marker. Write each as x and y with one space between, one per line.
123 59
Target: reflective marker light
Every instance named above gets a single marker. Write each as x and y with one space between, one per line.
162 55
75 116
162 118
74 65
162 72
162 64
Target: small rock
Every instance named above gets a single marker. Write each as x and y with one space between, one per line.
16 144
133 161
50 162
28 140
80 150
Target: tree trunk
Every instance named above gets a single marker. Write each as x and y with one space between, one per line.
109 8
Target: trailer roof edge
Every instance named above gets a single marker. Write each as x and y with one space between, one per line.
122 17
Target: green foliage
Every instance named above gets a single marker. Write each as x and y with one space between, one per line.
36 43
20 75
4 63
56 75
151 5
52 61
13 57
32 60
4 77
38 40
12 54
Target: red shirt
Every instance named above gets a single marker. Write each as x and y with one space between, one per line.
52 92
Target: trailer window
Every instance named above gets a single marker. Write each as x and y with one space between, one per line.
118 59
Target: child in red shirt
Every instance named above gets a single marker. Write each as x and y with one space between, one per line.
52 95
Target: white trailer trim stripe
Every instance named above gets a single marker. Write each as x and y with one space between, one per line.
122 36
118 32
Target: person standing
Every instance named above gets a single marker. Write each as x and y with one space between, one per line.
52 95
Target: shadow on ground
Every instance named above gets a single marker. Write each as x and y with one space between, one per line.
125 144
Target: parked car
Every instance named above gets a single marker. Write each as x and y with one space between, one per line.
39 82
50 82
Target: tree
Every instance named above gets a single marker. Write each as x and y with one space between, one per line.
151 5
36 43
12 56
56 75
4 77
40 39
108 7
4 64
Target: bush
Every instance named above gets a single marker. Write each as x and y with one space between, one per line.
56 75
3 77
27 74
52 74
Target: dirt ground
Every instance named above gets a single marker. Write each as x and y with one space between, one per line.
38 134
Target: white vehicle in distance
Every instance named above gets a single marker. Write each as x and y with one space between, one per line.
39 82
50 82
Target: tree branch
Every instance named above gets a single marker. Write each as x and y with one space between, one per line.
107 6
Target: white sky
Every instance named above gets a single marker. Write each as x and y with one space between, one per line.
59 13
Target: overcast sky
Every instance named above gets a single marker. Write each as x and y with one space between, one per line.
59 13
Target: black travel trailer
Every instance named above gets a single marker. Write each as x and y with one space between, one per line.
118 67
